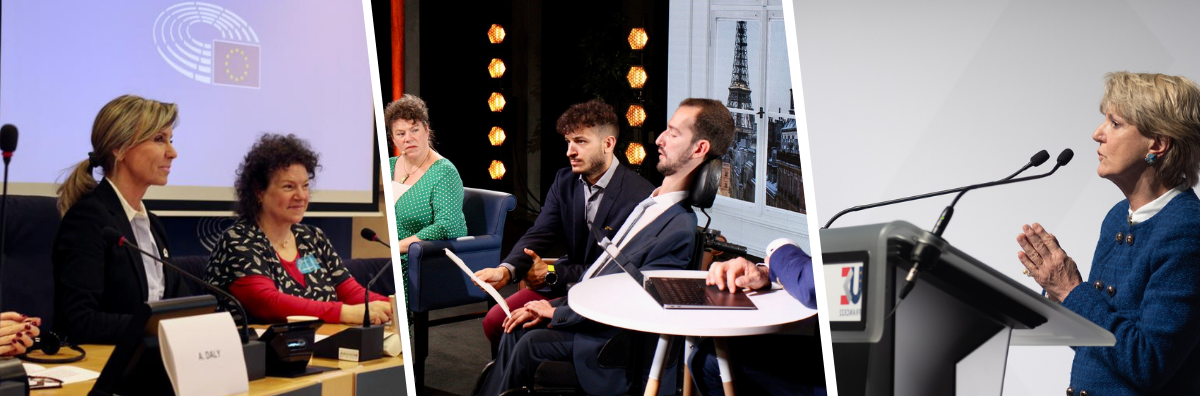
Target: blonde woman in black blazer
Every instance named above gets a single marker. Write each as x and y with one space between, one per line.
98 285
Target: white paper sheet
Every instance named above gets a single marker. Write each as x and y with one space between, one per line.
486 287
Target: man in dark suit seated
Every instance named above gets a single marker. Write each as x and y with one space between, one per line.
659 234
595 190
754 361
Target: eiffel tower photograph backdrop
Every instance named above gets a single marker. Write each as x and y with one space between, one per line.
754 72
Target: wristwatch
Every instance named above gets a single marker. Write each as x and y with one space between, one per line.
551 276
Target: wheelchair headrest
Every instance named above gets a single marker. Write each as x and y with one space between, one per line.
704 183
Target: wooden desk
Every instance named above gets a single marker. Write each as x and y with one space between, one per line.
340 382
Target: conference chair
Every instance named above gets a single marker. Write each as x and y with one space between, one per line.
559 378
435 282
28 275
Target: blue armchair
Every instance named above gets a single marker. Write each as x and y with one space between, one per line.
435 282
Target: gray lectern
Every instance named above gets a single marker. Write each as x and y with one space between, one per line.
950 335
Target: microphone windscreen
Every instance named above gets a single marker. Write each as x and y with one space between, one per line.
8 138
1039 158
368 234
1065 157
111 236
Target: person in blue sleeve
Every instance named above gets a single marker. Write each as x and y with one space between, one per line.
755 361
1144 284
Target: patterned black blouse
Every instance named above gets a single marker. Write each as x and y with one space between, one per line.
244 250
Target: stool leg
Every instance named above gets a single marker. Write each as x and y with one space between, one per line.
688 386
656 368
723 365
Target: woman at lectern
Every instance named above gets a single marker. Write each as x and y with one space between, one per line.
1144 284
274 265
427 188
98 283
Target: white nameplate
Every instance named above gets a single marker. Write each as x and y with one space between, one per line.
348 354
203 355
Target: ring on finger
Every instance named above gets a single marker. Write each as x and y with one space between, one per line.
1026 272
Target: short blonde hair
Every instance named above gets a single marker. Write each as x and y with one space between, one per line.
121 124
1160 105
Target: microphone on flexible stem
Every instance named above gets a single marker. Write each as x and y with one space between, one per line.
1063 158
8 144
356 344
370 235
939 227
927 250
255 352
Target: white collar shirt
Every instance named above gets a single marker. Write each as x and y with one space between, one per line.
139 220
1149 210
654 206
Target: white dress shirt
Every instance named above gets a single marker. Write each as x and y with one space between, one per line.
638 219
1148 210
140 221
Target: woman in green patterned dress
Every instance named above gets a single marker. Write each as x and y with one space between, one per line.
426 187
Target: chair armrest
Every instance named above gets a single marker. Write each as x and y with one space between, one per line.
435 282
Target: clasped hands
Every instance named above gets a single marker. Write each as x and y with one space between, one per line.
381 312
534 313
1047 262
736 274
17 332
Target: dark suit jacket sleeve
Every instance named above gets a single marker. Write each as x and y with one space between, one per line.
792 268
672 251
546 229
79 266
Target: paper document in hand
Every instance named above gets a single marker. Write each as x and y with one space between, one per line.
484 285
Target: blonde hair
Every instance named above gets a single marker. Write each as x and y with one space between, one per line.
1160 105
121 124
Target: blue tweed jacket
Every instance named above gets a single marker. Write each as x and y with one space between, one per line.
1144 287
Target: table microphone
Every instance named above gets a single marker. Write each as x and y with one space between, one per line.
370 235
8 144
362 343
255 351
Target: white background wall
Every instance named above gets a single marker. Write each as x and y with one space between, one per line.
910 97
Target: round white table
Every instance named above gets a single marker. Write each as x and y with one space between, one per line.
617 300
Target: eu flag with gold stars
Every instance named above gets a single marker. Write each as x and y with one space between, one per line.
235 64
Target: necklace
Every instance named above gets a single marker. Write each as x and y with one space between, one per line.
415 169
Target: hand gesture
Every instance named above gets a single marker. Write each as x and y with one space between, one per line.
497 277
536 277
1046 262
735 274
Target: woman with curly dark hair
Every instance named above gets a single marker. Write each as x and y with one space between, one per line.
427 189
276 266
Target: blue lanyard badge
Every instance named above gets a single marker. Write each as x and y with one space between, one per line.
307 264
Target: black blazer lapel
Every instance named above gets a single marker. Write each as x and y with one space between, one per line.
108 195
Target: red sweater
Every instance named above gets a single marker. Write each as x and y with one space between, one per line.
264 301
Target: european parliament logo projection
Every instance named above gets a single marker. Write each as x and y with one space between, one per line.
208 43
